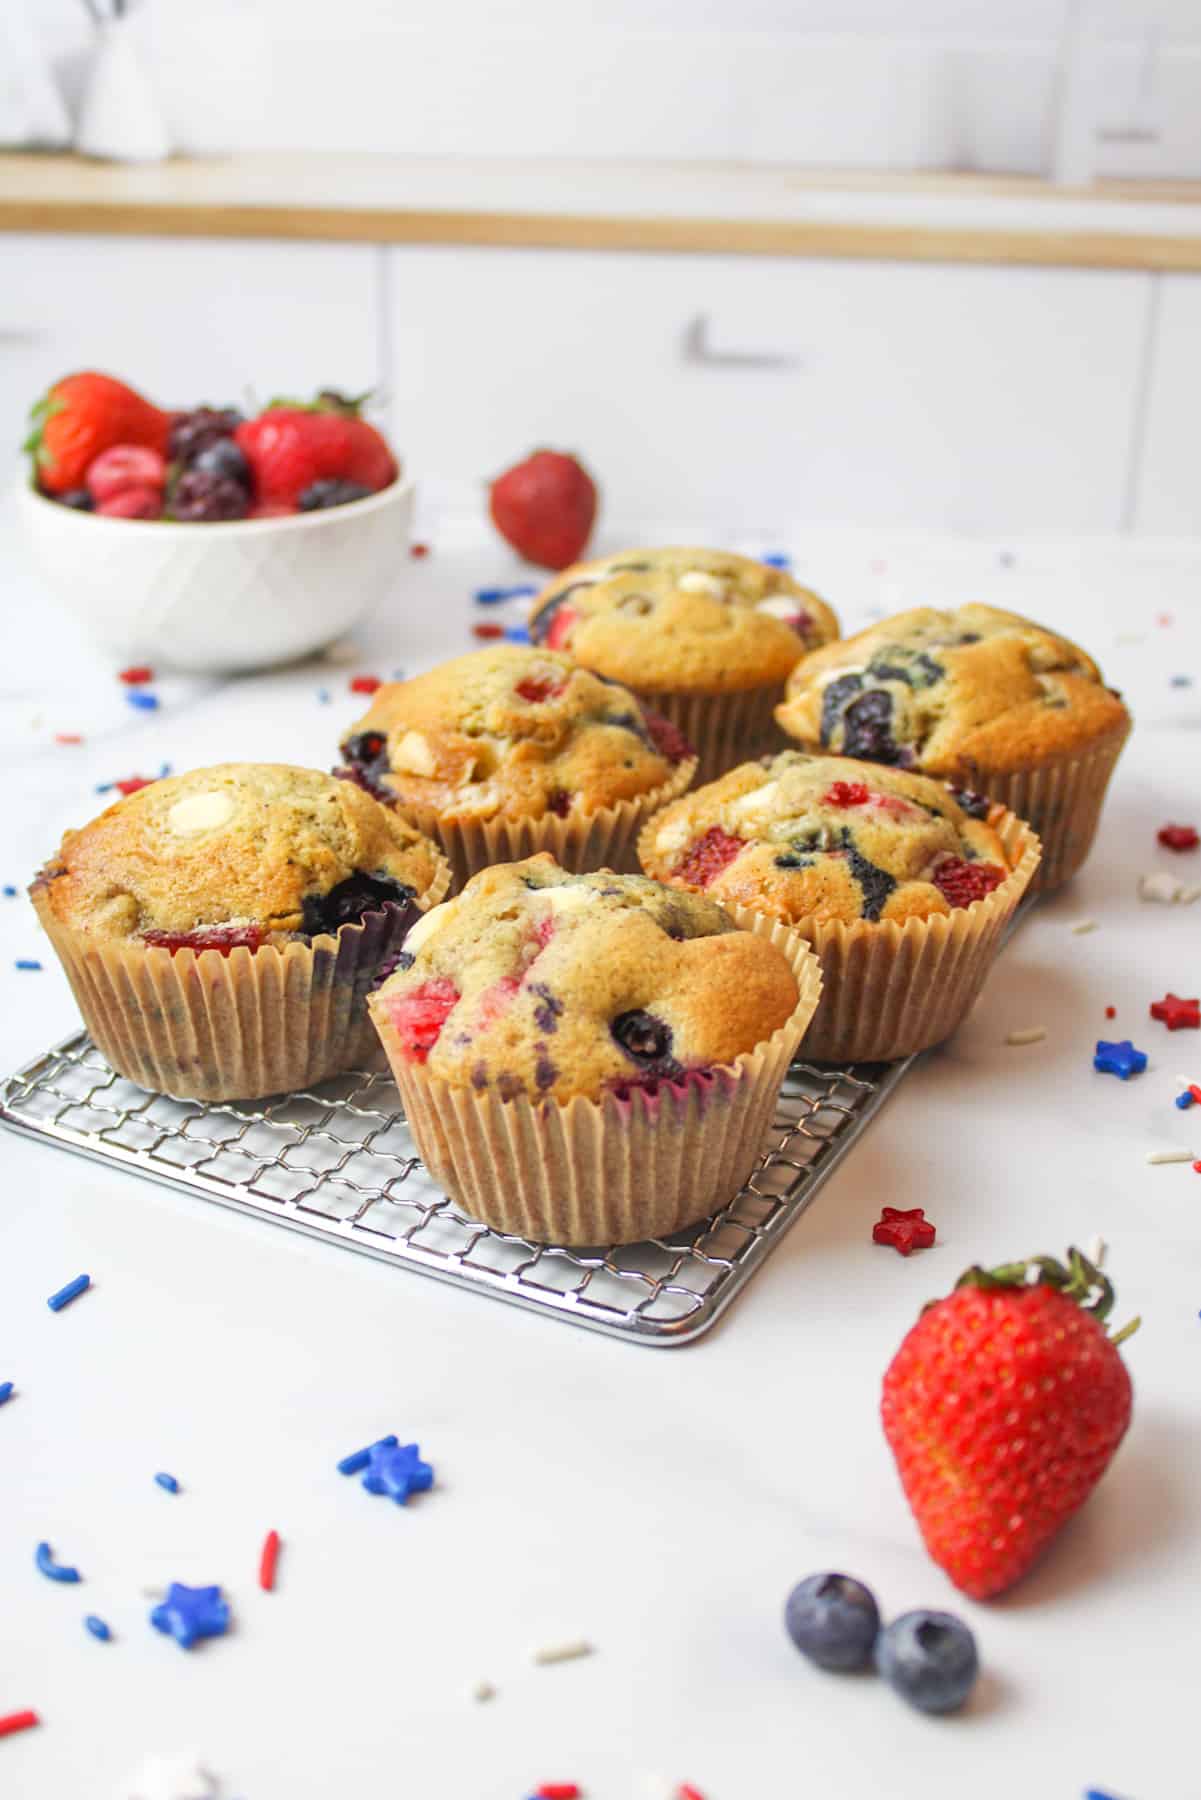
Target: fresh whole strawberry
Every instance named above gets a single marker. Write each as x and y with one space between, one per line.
1003 1408
81 417
290 446
545 507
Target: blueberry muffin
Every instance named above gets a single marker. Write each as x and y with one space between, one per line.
221 929
512 750
707 636
902 886
978 697
590 1058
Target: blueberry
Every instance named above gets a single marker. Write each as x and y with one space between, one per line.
834 698
347 903
865 726
929 1659
647 1041
833 1620
875 884
192 432
202 497
320 495
224 458
78 499
976 806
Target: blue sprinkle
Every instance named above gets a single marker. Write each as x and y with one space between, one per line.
189 1614
323 696
10 893
358 1459
142 700
167 1481
72 1291
105 787
1184 1101
398 1471
517 634
6 1391
397 675
164 771
52 1570
1120 1059
98 1628
27 962
777 559
494 596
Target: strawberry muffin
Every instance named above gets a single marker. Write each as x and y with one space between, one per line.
221 929
903 887
590 1059
978 697
513 750
707 637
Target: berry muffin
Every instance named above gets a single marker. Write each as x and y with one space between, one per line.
221 929
513 750
978 697
707 637
903 887
590 1059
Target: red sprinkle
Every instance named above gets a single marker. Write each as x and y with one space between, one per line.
136 675
1195 1091
1197 1168
686 1791
488 628
1111 1012
18 1721
132 783
1178 837
905 1231
419 550
846 793
268 1558
559 1790
365 684
705 859
68 737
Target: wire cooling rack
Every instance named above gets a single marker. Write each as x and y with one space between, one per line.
339 1163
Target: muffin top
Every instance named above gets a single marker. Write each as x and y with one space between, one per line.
824 837
960 694
682 619
533 981
242 853
510 731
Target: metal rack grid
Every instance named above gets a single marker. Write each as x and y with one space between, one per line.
339 1163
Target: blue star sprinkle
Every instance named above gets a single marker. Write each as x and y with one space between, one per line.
189 1614
398 1471
1121 1059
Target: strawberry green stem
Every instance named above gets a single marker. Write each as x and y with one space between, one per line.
1079 1280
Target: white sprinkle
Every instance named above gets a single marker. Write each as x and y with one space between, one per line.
1169 1156
1083 925
483 1690
1097 1251
1032 1034
557 1653
1159 886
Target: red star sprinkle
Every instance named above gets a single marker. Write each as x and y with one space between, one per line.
1177 1014
1179 837
364 684
905 1231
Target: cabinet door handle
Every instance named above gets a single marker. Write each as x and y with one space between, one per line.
697 348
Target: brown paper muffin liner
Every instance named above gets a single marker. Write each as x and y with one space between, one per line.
1062 800
724 729
238 1027
580 842
613 1170
889 989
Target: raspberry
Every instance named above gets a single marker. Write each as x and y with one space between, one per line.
846 793
132 503
705 859
209 937
1178 837
537 688
668 740
962 882
561 627
419 1015
125 466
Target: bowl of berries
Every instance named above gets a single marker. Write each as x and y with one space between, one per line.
207 540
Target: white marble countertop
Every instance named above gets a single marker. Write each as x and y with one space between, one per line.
658 1504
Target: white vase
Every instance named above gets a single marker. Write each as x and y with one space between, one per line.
120 118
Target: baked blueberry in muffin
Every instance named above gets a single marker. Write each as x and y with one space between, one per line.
539 983
827 838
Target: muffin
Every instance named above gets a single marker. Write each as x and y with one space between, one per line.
707 637
590 1059
978 697
903 889
221 929
513 750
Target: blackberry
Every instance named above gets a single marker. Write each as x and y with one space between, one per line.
204 498
192 432
224 458
320 495
350 900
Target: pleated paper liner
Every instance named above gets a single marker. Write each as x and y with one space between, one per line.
888 989
609 1170
724 729
256 1022
1062 800
579 842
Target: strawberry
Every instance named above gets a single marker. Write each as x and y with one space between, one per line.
291 445
1003 1407
545 507
82 416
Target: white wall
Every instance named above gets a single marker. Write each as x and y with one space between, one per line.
919 84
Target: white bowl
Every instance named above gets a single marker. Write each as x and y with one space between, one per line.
223 597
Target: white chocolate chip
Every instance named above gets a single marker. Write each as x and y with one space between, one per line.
1160 886
673 837
699 581
780 606
566 899
758 803
200 812
431 923
413 754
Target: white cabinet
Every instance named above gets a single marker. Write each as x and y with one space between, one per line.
1168 481
997 399
186 322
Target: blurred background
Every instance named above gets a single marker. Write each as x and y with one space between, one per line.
759 263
